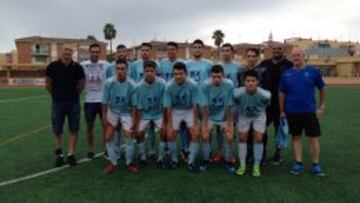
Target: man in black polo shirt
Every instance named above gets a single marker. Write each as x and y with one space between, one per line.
65 81
275 68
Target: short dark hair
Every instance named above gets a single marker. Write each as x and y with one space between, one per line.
217 69
174 44
255 50
120 46
180 66
149 63
146 44
94 45
122 62
228 45
250 73
198 41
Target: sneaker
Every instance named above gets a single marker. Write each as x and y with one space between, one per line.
110 169
256 171
241 171
297 168
316 169
205 166
90 155
71 160
277 160
184 155
132 168
193 168
217 158
172 164
59 161
229 167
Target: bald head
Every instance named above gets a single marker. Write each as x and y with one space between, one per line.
298 57
66 52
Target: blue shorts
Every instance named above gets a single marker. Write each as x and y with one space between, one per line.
62 110
91 110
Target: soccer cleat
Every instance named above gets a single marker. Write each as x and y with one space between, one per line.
110 169
59 161
172 165
229 167
256 171
241 171
90 155
316 169
184 155
160 164
297 168
71 160
152 155
132 168
217 158
193 168
205 166
277 160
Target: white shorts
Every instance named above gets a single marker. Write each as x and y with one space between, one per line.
115 119
258 123
182 115
145 123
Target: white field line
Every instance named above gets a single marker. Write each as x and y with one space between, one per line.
53 170
22 99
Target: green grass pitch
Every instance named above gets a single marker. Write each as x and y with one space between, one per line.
26 147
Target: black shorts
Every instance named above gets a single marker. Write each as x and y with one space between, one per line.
298 122
61 110
91 110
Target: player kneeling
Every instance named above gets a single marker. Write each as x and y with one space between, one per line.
180 101
252 101
118 109
216 95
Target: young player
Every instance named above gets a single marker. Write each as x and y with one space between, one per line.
181 103
149 103
118 101
216 101
252 102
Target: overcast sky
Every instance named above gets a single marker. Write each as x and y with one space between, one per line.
143 20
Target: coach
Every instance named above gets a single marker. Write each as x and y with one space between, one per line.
297 102
64 81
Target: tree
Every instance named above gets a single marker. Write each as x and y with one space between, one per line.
218 37
91 37
109 33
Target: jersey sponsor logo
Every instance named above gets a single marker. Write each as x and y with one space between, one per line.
181 99
168 76
217 103
120 100
195 75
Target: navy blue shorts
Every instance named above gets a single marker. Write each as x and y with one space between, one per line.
62 110
91 110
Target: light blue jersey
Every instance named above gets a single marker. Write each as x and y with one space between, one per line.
166 68
218 98
136 70
149 98
231 71
252 105
111 71
183 96
199 70
119 96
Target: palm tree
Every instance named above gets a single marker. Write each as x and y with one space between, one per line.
109 33
218 37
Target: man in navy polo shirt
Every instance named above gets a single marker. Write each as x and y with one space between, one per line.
297 102
65 80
